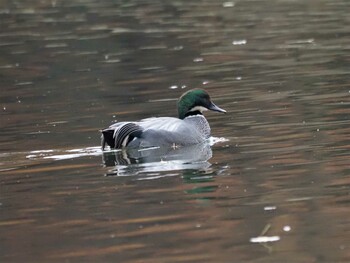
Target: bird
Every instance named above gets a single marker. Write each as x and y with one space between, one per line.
191 127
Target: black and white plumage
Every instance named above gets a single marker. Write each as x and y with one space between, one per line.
160 131
120 134
190 128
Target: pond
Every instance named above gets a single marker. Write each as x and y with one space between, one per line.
273 185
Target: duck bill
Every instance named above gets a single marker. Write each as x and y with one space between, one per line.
213 107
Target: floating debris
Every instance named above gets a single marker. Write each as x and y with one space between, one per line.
264 239
239 42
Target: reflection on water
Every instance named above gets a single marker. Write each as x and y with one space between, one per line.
136 161
277 189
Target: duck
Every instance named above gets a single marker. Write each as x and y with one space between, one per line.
191 127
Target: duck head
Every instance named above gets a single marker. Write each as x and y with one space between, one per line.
194 102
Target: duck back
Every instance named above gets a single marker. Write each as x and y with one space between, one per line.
166 131
162 132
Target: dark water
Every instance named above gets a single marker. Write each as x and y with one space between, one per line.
275 187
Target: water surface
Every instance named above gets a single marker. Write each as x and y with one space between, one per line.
274 186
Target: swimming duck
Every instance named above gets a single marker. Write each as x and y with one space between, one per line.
191 127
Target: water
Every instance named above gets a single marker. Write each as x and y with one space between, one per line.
274 186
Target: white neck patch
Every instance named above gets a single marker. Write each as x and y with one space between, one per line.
199 108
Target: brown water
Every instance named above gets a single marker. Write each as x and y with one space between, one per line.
274 188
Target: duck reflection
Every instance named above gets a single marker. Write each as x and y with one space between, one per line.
134 161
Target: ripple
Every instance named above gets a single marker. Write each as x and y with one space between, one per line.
64 155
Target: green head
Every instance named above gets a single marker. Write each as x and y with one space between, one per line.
194 102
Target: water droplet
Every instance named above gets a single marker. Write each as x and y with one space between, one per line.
287 228
198 60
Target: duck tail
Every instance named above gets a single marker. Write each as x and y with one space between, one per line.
119 136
